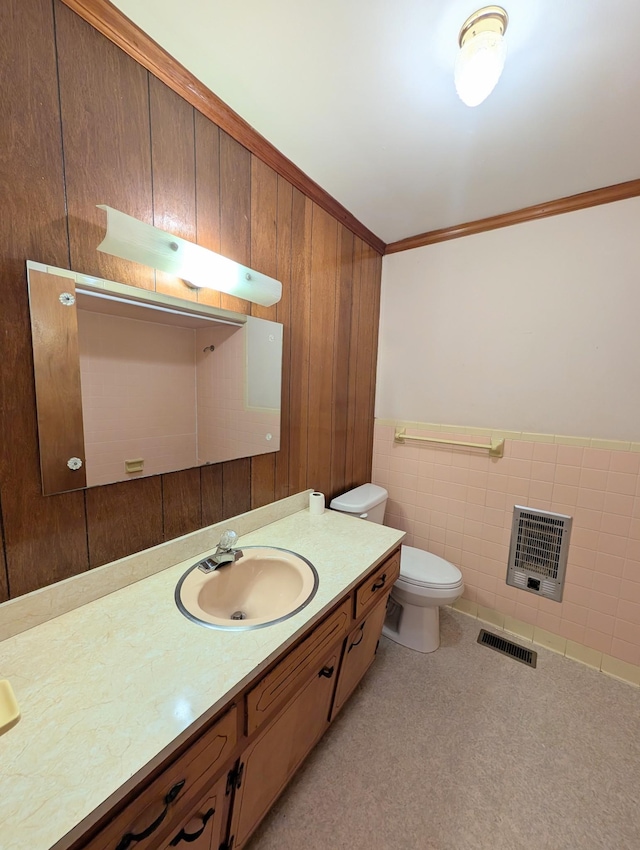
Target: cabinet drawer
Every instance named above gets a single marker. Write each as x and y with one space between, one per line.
150 816
289 674
378 584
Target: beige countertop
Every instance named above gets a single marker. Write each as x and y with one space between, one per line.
106 688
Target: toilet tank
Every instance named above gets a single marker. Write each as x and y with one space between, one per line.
367 502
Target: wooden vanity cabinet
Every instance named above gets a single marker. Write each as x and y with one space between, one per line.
266 734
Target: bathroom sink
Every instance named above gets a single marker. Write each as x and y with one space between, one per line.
264 586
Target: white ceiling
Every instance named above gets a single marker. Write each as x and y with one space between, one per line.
359 94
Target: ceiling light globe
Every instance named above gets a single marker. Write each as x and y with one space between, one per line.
479 64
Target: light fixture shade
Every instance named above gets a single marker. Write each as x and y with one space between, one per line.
131 239
479 64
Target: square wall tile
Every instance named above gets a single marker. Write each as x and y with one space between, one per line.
620 670
549 640
488 615
519 628
591 657
466 606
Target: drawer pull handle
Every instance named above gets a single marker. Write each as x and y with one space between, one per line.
327 672
183 835
360 637
131 837
380 583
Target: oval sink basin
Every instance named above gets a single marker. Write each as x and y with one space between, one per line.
265 586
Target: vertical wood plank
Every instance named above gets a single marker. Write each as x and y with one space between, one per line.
264 207
207 194
365 377
236 487
300 330
264 211
174 209
375 281
352 426
181 500
44 538
104 96
173 172
283 315
342 343
124 518
211 493
324 252
235 211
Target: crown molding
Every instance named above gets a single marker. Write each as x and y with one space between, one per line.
114 25
618 192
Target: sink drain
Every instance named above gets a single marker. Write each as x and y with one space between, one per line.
238 615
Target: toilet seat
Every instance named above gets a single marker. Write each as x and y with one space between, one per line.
424 569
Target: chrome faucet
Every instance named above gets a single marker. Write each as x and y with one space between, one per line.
224 554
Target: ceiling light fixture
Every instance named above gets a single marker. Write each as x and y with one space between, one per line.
483 50
131 239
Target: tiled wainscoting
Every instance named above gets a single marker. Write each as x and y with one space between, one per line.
458 503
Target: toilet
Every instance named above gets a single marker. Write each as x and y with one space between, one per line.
426 581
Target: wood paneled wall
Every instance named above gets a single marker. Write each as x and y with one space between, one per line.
84 124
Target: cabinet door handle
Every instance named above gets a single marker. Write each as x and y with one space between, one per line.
183 835
131 837
360 637
327 672
380 583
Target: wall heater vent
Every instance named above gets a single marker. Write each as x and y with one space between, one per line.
538 552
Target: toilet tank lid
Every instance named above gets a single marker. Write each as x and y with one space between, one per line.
359 500
420 567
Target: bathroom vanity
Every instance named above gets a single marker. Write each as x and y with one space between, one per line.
142 729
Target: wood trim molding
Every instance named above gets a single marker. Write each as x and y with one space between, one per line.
113 24
618 192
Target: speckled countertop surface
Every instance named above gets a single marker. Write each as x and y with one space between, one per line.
105 688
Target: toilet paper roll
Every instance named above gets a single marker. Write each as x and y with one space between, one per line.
316 504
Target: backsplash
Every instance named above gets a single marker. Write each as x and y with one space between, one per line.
458 503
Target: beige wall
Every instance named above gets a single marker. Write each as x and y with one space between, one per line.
532 327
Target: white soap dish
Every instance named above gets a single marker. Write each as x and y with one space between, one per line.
9 710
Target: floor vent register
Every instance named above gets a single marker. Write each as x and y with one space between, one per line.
507 647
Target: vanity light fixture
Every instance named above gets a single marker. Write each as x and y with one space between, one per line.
131 239
482 53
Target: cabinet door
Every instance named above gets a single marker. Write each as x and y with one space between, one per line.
272 758
204 829
359 653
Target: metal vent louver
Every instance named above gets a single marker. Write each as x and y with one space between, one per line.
538 551
508 647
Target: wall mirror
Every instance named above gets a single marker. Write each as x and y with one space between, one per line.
131 383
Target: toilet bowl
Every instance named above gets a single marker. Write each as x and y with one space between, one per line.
426 581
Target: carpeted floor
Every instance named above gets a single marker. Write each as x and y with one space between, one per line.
466 749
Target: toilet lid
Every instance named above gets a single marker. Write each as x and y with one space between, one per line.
423 568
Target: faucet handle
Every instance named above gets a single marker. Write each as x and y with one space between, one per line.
228 540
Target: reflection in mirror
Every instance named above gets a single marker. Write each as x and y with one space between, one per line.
132 383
